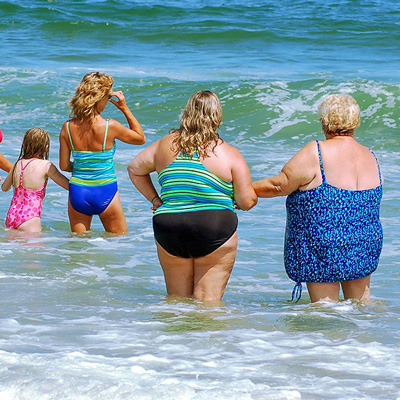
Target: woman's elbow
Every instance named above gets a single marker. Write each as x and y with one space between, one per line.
248 203
132 173
137 138
65 167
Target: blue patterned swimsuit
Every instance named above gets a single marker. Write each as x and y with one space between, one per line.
332 234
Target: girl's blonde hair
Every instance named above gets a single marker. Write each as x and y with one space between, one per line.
340 114
93 88
35 144
200 120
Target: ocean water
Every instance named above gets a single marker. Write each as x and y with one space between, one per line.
86 317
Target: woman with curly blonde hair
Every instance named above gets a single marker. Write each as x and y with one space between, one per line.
334 187
93 188
194 222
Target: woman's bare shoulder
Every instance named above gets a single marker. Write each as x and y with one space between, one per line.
224 148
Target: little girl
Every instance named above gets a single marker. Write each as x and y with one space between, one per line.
29 178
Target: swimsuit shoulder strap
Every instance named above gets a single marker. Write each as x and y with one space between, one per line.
69 135
321 165
23 168
105 136
379 168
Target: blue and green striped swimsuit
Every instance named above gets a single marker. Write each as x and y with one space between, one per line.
93 183
197 215
187 185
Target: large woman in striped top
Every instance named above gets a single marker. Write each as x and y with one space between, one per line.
201 177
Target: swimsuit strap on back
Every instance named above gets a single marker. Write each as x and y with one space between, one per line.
379 168
69 134
105 136
320 163
22 170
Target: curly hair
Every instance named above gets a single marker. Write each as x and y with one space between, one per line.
340 114
200 120
93 88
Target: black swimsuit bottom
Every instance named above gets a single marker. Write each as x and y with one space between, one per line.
195 233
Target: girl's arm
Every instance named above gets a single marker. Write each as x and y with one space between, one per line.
65 152
132 135
8 181
139 170
57 176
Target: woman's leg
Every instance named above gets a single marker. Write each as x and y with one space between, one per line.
178 273
113 218
79 222
357 289
212 272
323 291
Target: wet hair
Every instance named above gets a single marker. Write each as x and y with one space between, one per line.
340 114
35 144
93 88
200 120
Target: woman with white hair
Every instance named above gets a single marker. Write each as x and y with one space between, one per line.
334 187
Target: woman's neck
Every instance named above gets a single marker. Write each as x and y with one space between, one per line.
329 136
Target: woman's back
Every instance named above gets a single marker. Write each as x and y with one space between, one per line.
90 137
218 161
34 173
349 165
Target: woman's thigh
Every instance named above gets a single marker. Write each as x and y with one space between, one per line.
212 272
113 217
178 273
79 222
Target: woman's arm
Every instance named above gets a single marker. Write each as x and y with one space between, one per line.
65 152
132 135
277 185
299 171
8 181
57 176
243 192
139 170
5 165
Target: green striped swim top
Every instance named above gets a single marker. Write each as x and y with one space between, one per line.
187 185
93 168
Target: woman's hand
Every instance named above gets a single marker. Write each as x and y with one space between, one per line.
133 135
121 103
156 202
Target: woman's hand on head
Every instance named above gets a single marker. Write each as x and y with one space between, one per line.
121 103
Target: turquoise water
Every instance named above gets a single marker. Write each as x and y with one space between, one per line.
86 317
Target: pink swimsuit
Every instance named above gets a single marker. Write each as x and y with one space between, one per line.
25 204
